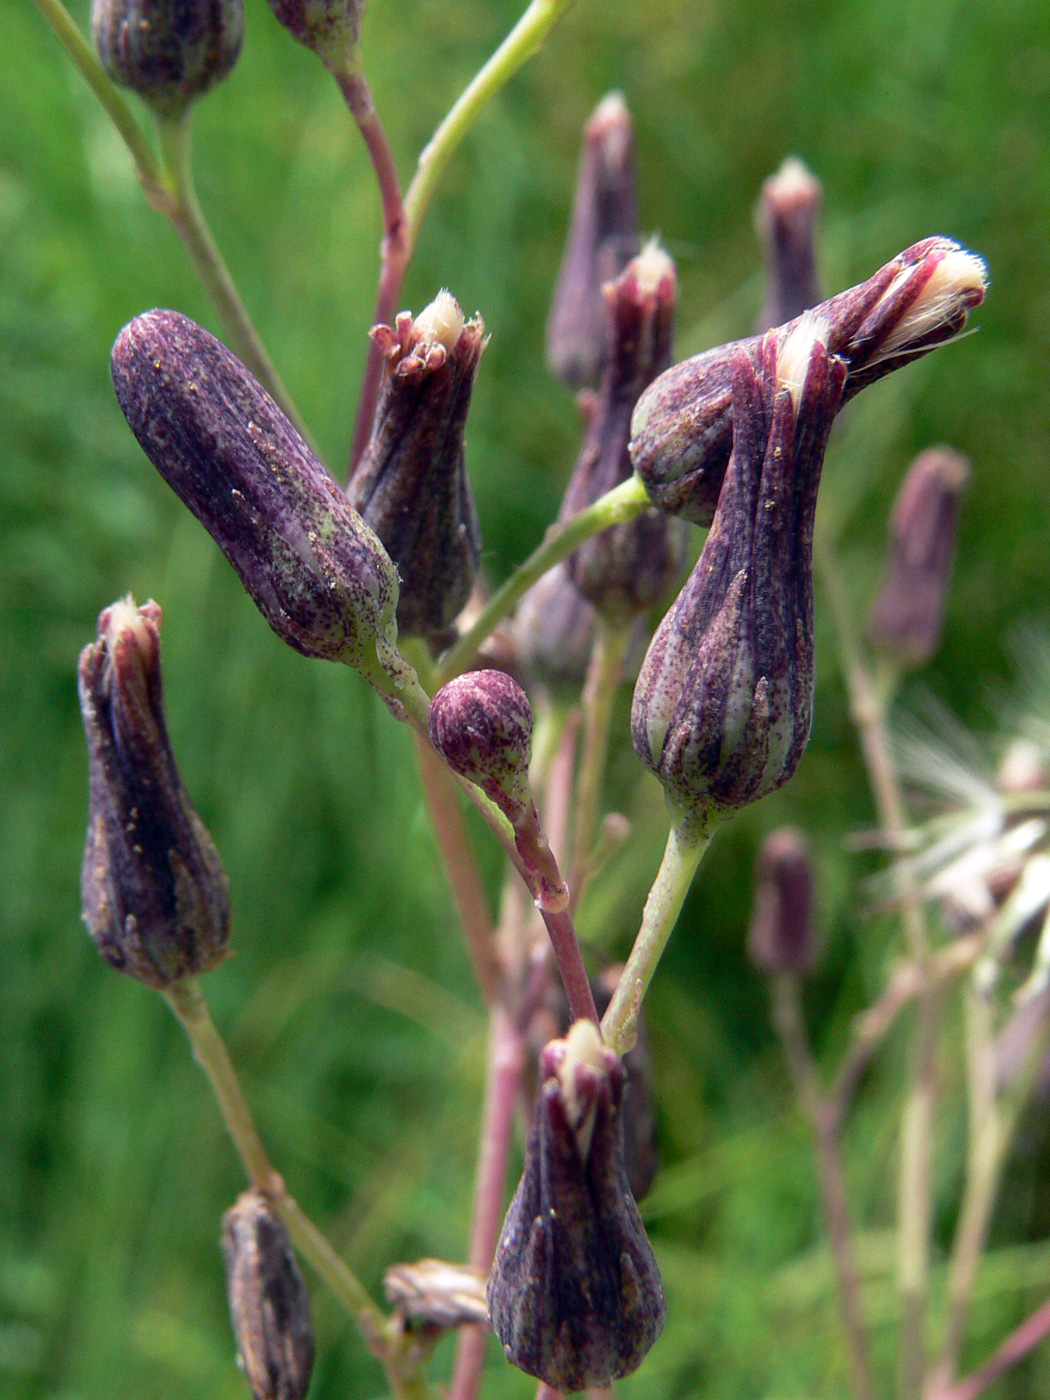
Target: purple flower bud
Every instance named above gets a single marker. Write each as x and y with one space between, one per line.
627 569
269 1306
780 938
554 628
329 27
481 725
315 570
682 430
411 485
156 899
602 240
787 217
575 1294
168 51
909 611
723 704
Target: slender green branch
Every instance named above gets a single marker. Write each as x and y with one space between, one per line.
521 43
623 503
684 851
603 677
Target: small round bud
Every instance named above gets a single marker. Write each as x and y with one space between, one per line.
780 938
329 27
168 51
481 725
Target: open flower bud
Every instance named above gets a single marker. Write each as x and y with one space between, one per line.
724 701
411 485
481 725
575 1294
432 1293
554 627
330 27
602 239
316 571
909 611
780 938
168 51
682 430
269 1306
156 898
628 568
787 218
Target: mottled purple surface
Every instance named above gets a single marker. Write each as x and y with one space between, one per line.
168 51
481 725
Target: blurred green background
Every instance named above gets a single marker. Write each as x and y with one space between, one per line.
349 1006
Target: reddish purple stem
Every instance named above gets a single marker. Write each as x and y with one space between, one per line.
1017 1345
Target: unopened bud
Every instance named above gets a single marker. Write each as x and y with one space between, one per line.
780 938
682 430
168 51
330 27
411 485
724 701
603 237
554 628
269 1306
481 725
432 1293
908 614
315 570
787 218
628 568
575 1294
156 898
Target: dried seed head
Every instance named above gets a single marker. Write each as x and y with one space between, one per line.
411 485
156 899
682 429
627 569
787 218
575 1294
432 1293
481 725
169 53
315 570
602 239
780 938
723 704
269 1306
329 27
554 628
909 610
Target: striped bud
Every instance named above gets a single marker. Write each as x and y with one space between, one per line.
168 51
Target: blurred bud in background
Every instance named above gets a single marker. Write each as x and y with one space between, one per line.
554 628
603 237
168 51
331 28
411 486
908 614
156 898
781 938
787 215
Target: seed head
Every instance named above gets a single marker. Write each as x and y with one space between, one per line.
156 898
481 725
168 51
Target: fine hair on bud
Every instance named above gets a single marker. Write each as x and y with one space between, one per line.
269 1306
787 215
411 486
155 896
315 570
682 429
780 937
908 614
481 725
628 568
575 1294
170 52
603 237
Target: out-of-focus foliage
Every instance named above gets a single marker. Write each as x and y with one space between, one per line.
349 1004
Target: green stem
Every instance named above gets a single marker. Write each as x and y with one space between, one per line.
521 43
623 503
603 677
685 849
189 223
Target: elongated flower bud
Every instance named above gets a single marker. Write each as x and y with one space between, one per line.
481 725
787 218
909 611
554 628
156 899
411 486
168 51
575 1294
629 568
315 570
780 938
724 701
330 27
602 239
269 1306
682 430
